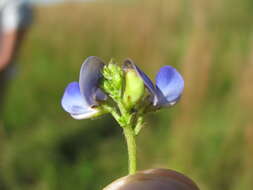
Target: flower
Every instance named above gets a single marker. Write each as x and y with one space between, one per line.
162 179
98 81
168 88
81 98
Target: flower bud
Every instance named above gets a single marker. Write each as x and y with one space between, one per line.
155 179
112 80
134 88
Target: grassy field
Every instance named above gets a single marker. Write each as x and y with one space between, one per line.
208 135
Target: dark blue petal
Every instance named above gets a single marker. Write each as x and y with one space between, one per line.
170 83
100 95
74 103
148 83
89 78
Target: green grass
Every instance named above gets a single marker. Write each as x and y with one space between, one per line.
207 135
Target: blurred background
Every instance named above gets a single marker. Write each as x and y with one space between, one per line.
208 135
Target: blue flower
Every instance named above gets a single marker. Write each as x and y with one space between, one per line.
81 98
168 87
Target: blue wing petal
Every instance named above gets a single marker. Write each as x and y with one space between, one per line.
73 103
171 85
148 83
89 78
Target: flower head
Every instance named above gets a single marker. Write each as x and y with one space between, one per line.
81 98
168 87
109 87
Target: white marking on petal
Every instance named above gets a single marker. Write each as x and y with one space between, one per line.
89 114
173 103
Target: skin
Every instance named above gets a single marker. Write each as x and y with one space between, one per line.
155 179
10 43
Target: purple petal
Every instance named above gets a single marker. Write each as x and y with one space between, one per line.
73 103
148 83
89 78
170 83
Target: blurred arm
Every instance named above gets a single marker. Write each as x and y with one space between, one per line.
16 18
8 47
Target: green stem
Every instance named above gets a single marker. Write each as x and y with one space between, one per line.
131 147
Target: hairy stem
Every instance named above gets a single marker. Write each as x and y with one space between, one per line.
131 147
139 125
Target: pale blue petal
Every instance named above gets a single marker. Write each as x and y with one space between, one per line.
73 102
170 83
90 75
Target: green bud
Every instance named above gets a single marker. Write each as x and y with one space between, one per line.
113 79
134 88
